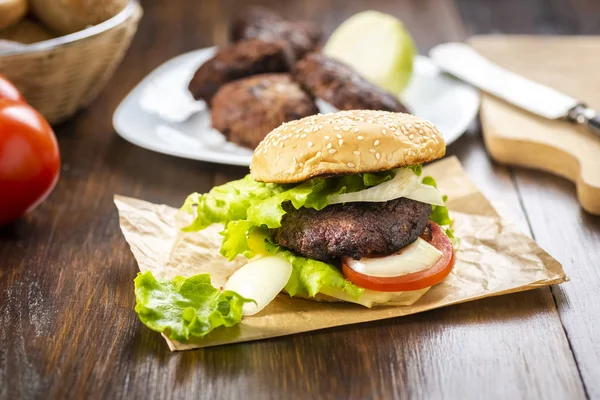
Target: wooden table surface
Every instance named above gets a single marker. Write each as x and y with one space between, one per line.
67 325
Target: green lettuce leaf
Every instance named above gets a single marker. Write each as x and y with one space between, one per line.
309 276
185 307
417 169
235 239
440 215
228 202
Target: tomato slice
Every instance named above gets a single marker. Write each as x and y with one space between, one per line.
29 159
417 280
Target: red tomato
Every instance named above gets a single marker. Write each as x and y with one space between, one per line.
29 159
415 281
9 91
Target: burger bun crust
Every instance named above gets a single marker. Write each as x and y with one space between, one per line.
344 143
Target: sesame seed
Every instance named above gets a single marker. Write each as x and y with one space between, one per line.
331 151
303 136
356 129
338 135
310 144
377 156
350 165
326 137
384 131
340 142
346 128
376 143
371 150
297 136
319 154
411 136
360 137
328 145
336 128
356 153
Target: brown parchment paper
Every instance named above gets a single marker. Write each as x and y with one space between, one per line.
494 258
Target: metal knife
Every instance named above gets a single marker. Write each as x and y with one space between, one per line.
465 63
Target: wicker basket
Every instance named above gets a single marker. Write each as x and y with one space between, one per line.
62 75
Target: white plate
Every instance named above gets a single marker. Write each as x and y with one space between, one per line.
161 115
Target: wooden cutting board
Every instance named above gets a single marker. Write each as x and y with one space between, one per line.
514 136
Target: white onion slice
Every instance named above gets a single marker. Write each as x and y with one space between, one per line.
427 194
260 280
405 184
415 257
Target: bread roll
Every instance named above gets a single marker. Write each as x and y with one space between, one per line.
68 16
11 12
26 31
344 143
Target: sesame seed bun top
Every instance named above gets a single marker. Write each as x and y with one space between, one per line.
343 143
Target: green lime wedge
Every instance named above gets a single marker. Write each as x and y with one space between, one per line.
378 46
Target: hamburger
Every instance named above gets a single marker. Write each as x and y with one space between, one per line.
341 198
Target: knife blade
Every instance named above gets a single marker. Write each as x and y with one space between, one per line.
465 63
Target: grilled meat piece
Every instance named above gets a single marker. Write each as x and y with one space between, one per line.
352 230
240 60
246 110
341 86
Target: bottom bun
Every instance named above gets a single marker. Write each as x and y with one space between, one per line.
321 298
369 298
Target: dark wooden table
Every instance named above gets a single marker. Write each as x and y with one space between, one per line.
67 325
